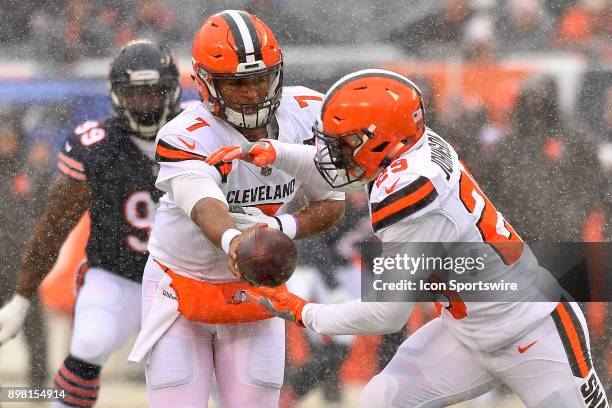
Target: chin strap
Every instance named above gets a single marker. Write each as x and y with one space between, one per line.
253 121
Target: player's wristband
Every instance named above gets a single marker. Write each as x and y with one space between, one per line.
288 224
226 238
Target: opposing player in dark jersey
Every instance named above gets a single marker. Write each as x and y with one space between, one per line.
108 169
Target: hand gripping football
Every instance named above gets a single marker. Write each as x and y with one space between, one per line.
266 257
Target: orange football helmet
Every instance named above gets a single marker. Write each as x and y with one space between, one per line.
236 45
368 118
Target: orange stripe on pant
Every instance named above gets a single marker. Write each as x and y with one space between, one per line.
269 209
571 332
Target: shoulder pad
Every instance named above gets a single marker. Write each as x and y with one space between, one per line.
302 107
436 160
399 193
79 149
300 97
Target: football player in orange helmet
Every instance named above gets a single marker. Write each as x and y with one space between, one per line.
371 131
238 70
239 76
356 141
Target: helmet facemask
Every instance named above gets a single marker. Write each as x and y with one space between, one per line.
144 87
145 107
335 158
240 113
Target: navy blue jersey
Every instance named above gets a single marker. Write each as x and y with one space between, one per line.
124 197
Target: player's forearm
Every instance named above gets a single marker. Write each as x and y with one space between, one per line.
40 254
68 201
38 259
318 216
212 217
356 317
199 196
298 161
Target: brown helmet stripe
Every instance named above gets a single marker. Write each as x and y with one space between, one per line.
254 36
248 45
238 41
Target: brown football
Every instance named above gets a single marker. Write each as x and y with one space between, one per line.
266 257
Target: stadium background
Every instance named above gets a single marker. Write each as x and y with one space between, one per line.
522 88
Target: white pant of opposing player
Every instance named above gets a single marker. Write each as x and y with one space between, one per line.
433 369
248 360
106 316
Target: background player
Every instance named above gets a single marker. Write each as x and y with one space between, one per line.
108 169
371 131
238 70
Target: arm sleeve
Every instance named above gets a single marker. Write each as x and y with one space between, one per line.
298 161
73 158
433 227
380 317
188 189
356 317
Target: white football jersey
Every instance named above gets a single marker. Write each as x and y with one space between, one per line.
429 179
427 195
182 146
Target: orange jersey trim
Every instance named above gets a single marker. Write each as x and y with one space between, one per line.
269 209
71 162
70 172
405 202
168 152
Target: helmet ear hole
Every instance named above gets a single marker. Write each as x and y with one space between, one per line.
380 148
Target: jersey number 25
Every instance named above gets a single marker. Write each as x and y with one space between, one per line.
494 229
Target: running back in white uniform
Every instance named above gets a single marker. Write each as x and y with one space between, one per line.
429 184
430 179
540 349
